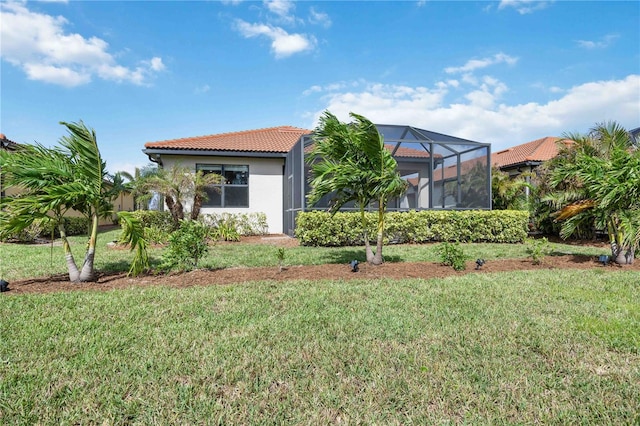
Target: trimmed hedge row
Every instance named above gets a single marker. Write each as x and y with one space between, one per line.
317 228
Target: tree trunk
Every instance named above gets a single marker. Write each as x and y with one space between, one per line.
88 271
175 207
377 258
74 273
197 204
622 255
365 234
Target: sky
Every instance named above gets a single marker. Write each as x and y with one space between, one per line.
501 72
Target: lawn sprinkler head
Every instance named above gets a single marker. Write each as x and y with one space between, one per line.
604 259
4 286
354 266
479 263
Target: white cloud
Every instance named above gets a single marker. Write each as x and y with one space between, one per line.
480 117
283 44
524 7
39 45
280 7
319 18
474 64
202 89
600 44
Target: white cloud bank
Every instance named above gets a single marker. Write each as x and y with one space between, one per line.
39 45
481 117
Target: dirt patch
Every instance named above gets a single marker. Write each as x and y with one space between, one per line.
396 270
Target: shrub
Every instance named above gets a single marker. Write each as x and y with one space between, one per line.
452 254
538 249
156 235
242 223
187 245
317 228
153 218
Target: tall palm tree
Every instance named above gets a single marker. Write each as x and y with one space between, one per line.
351 162
599 181
55 181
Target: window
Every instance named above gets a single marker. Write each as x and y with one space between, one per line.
233 191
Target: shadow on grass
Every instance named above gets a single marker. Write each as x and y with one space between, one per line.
576 257
347 254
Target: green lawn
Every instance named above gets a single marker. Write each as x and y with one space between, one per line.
28 261
531 347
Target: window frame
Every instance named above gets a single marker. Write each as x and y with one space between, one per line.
206 167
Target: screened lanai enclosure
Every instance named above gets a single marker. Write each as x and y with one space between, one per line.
442 172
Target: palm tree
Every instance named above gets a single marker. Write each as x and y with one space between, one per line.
179 185
599 181
55 181
508 193
351 162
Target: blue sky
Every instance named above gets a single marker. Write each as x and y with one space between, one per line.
503 72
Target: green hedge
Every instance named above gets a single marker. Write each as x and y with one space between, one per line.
72 226
316 228
155 219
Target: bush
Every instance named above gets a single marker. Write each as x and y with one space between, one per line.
451 254
538 249
187 245
317 228
243 223
155 219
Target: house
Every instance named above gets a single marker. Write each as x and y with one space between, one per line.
526 157
6 145
265 170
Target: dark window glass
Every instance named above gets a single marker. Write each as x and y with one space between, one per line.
234 191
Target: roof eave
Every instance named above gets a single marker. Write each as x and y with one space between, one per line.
212 153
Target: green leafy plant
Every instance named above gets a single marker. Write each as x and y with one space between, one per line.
227 232
452 254
156 235
280 254
187 245
537 249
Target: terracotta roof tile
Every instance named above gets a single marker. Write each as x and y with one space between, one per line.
273 139
538 150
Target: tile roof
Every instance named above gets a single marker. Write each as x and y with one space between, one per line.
538 150
273 139
7 144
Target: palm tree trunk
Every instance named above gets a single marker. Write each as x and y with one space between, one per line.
74 273
197 204
88 272
365 235
377 258
620 254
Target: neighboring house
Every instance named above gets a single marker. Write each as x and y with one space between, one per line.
526 157
6 145
265 170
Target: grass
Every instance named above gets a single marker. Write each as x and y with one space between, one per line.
544 347
27 261
549 346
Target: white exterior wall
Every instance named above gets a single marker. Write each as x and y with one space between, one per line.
265 185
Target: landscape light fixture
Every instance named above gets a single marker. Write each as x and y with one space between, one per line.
4 286
354 266
604 259
479 263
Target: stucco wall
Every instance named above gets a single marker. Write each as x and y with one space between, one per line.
265 185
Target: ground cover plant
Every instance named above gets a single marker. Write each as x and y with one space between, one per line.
518 347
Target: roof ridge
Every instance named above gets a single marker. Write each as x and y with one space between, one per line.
285 128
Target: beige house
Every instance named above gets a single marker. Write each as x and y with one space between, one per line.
265 170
